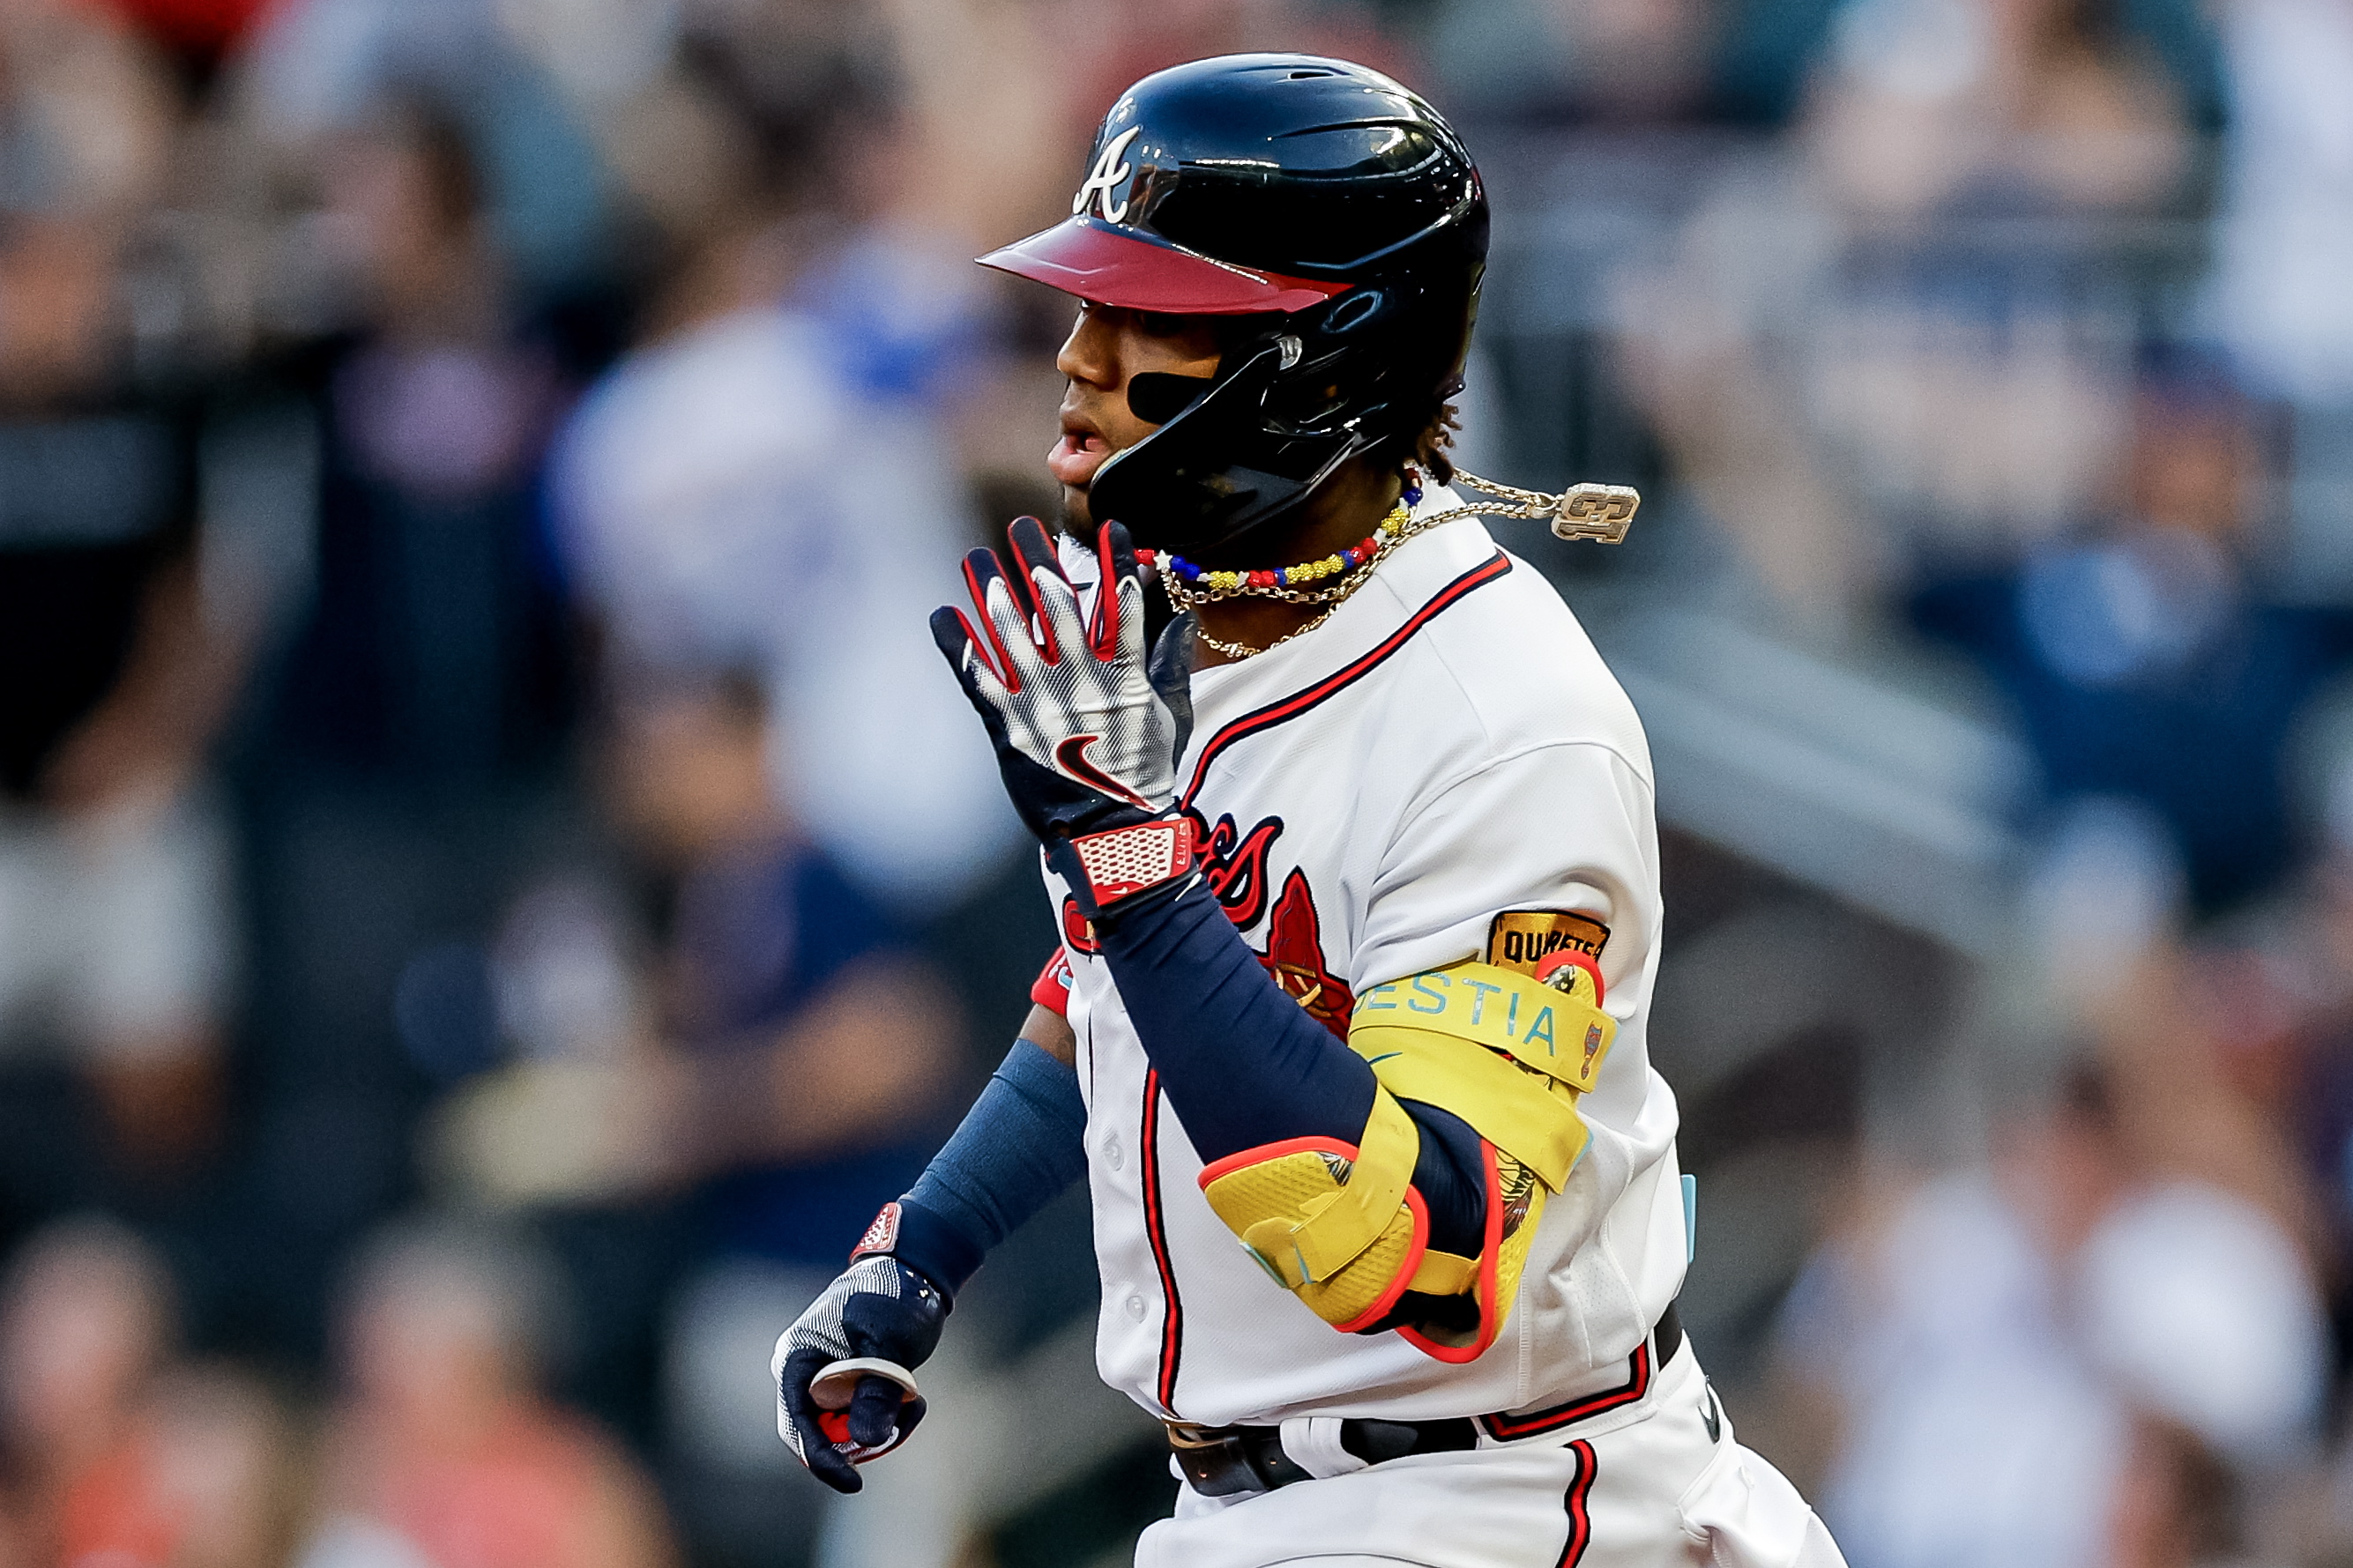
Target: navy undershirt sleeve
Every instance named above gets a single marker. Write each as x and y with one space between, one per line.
1017 1149
1245 1066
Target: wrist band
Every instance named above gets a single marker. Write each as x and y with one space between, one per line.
1123 861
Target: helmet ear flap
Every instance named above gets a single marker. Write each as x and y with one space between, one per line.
1347 369
1215 469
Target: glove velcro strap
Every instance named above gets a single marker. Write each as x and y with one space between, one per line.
1121 862
926 1242
882 1237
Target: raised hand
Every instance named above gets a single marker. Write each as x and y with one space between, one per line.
1088 728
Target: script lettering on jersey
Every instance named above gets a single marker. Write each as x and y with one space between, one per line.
1233 863
1109 171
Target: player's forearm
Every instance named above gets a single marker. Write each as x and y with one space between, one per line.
1019 1147
1048 1030
1246 1067
1241 1062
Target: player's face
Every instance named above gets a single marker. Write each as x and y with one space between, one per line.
1107 346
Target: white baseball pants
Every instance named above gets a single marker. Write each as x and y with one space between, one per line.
1659 1485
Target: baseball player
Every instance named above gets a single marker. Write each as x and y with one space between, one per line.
1357 873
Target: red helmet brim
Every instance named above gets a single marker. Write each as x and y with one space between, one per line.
1114 267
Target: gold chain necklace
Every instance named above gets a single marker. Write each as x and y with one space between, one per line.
1593 511
1581 511
1279 582
1186 596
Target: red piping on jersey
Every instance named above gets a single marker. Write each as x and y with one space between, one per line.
1503 1428
1580 1517
1172 1320
1495 566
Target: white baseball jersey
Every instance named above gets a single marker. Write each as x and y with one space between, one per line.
1442 771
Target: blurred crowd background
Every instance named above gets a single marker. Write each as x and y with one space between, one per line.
495 888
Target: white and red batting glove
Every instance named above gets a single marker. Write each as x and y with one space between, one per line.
1088 726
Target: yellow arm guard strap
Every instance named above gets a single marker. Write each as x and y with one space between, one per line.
1541 1049
1342 1228
1511 1056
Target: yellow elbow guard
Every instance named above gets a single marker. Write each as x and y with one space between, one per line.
1338 1226
1342 1228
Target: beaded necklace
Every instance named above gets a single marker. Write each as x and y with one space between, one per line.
1190 586
1285 582
1595 512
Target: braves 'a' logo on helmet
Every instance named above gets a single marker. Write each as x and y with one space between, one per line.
1111 170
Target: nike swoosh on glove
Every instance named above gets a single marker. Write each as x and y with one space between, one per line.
1088 729
878 1307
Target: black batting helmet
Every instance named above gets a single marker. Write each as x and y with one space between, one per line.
1318 194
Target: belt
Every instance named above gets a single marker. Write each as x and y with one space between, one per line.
1222 1461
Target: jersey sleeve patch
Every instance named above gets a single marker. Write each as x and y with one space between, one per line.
1520 939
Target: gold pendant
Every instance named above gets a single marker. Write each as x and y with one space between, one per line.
1599 513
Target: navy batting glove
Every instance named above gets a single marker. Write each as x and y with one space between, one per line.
1088 728
879 1309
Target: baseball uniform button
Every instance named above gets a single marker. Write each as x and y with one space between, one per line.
1135 1308
1113 1155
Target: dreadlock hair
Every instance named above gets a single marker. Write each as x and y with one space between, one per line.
1429 447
